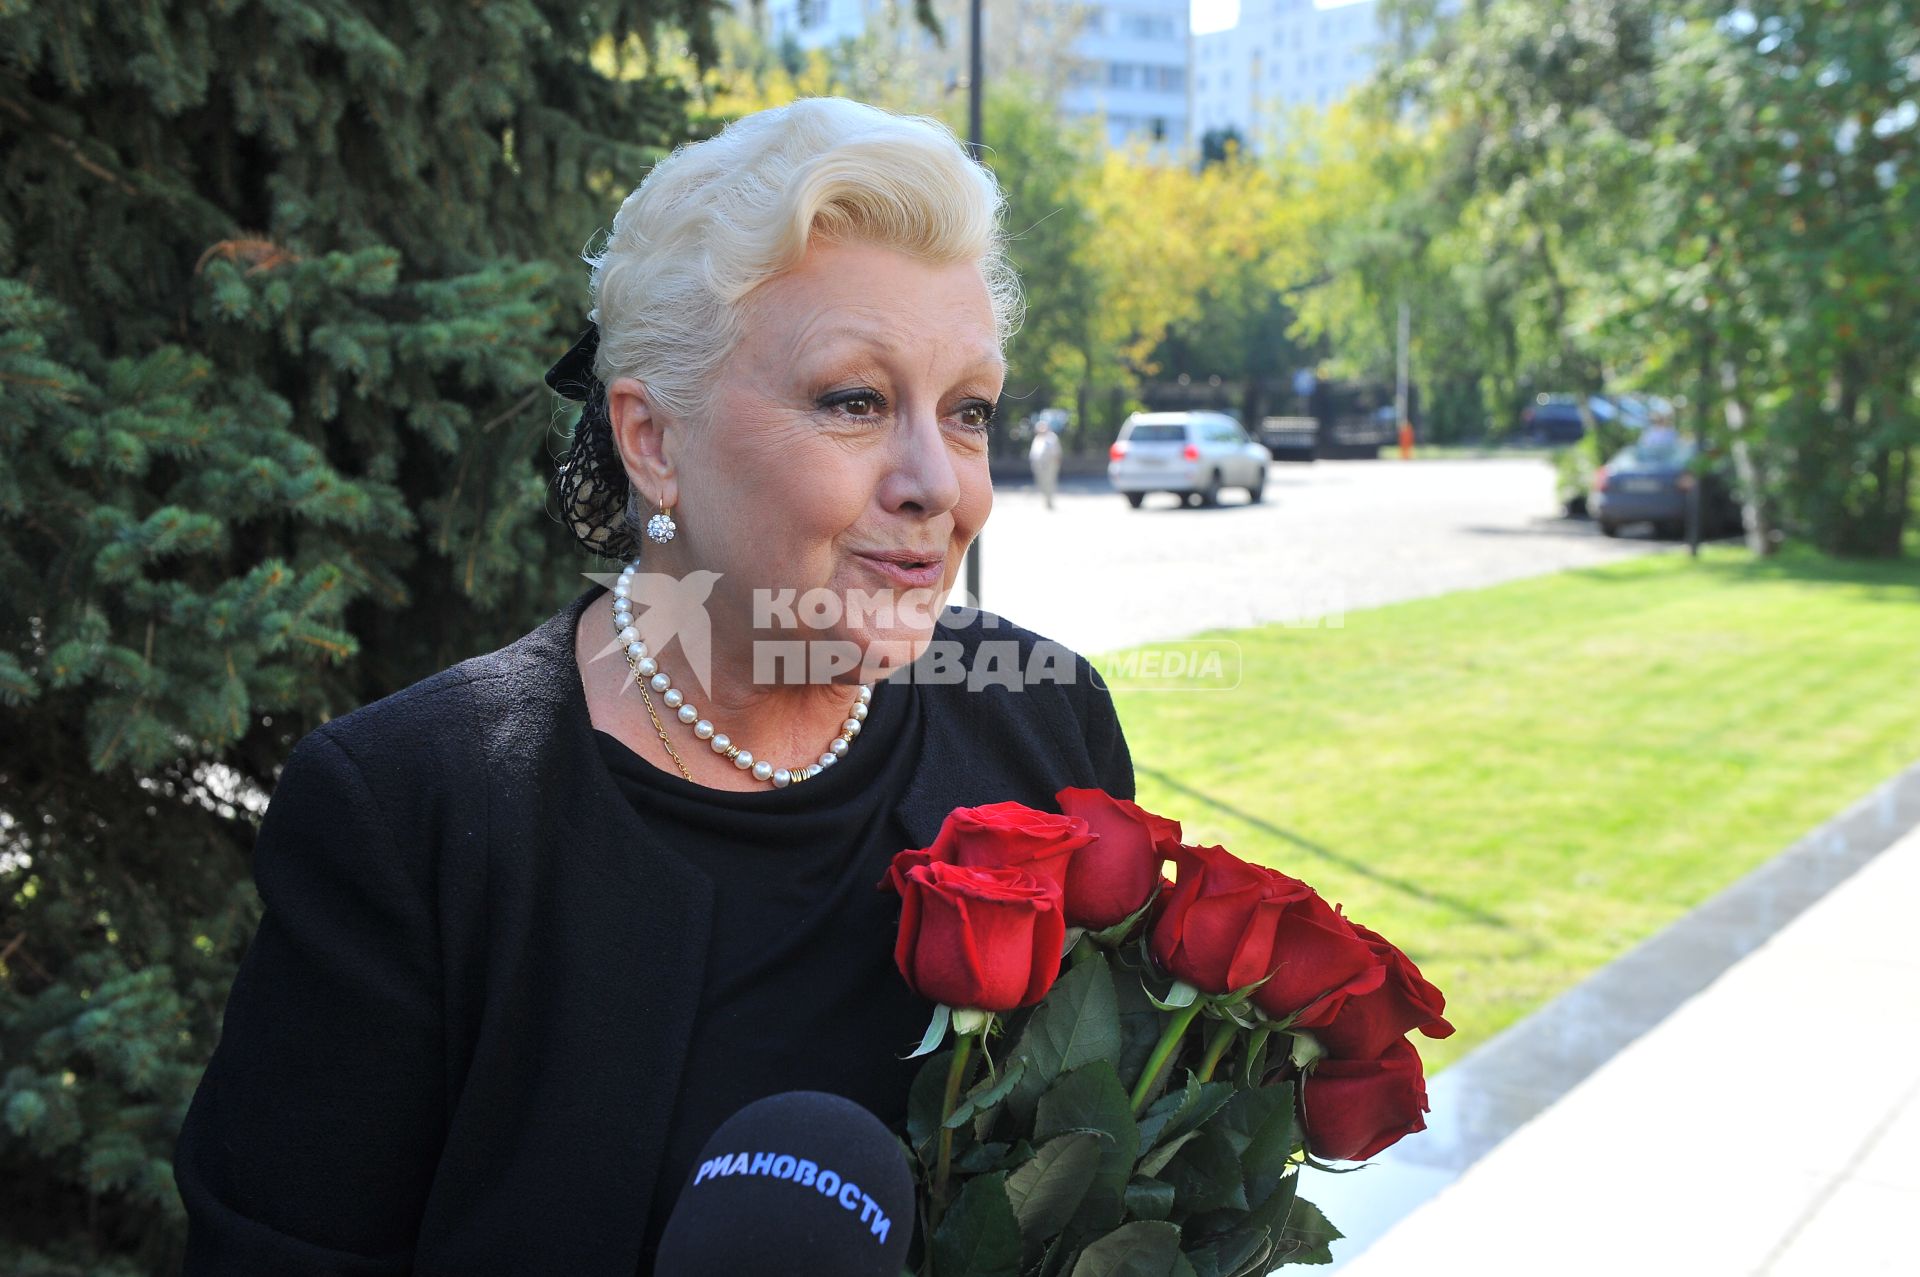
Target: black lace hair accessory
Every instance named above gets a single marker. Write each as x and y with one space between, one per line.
590 482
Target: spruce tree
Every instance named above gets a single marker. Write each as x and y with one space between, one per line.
278 284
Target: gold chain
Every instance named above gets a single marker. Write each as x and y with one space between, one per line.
648 702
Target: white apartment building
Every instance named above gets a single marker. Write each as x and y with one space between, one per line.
1133 69
813 23
1280 55
1128 63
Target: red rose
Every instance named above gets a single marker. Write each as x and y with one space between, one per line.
1217 928
986 939
1323 962
1001 836
1112 876
1365 1025
1355 1108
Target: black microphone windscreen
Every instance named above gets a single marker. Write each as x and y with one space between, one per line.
803 1184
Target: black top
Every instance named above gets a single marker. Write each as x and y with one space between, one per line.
456 1042
801 993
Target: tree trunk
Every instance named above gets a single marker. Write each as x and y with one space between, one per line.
1753 497
1895 472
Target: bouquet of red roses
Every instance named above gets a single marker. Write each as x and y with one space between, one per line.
1141 1068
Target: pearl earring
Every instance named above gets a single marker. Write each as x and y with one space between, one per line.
661 527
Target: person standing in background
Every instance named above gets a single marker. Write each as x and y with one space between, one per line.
1044 455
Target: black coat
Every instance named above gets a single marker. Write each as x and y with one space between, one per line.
455 1042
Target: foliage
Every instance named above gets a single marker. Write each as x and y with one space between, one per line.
1059 1171
278 284
1710 201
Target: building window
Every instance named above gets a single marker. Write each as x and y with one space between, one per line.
1146 26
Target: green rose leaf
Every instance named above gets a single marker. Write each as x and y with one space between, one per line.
1078 1023
1243 1250
1205 1173
986 1094
1140 1025
1245 1114
1090 1099
1177 1112
1156 1161
1140 1249
1306 1237
979 1236
1149 1198
982 1158
1048 1189
923 1104
1268 1158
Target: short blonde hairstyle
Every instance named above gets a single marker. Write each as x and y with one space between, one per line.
719 217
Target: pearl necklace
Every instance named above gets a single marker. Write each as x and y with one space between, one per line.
647 673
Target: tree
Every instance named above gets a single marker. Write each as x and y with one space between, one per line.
277 288
1788 214
1696 194
1219 145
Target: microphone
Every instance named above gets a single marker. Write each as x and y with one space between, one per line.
802 1183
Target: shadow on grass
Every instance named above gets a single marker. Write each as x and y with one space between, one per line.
1462 908
1894 580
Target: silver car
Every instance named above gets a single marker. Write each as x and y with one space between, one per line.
1190 454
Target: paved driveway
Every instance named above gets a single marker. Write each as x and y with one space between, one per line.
1330 537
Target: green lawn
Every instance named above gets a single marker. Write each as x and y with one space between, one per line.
1518 784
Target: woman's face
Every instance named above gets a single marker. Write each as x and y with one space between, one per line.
845 450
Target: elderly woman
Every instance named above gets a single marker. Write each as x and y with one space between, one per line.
539 923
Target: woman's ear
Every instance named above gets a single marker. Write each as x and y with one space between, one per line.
641 434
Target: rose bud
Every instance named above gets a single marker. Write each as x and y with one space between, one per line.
896 875
1112 876
1216 929
1001 836
1355 1108
1366 1024
1323 962
984 939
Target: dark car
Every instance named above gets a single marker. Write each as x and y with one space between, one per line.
1648 482
1554 419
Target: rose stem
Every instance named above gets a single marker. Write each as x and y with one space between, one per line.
1216 1047
1163 1053
956 1076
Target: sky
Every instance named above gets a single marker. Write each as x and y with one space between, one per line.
1214 15
1218 15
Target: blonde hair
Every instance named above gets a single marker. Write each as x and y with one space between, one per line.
719 217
